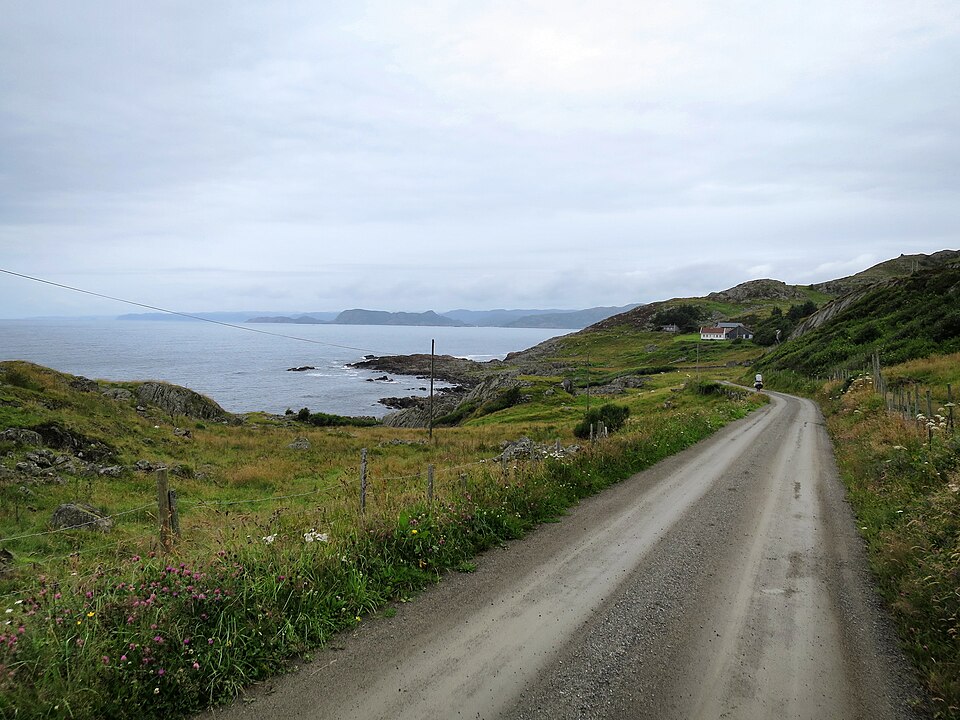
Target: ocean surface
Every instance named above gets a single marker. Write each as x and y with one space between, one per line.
246 370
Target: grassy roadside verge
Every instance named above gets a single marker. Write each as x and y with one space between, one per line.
145 635
905 490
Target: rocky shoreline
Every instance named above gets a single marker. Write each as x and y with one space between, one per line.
459 371
473 382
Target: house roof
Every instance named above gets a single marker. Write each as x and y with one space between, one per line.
726 329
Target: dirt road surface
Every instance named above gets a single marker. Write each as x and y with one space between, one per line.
726 582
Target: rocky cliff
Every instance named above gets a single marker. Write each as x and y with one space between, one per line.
178 400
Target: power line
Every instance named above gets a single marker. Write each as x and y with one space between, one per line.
186 315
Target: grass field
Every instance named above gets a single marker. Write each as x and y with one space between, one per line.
274 554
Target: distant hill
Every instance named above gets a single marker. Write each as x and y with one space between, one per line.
569 319
559 319
495 318
381 317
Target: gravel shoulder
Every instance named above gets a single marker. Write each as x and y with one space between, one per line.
727 581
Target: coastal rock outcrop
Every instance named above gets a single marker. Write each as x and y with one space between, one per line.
453 400
178 400
84 384
445 367
80 516
57 436
22 436
418 414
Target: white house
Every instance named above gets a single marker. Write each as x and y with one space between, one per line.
726 331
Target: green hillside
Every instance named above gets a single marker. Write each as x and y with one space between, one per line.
902 319
887 270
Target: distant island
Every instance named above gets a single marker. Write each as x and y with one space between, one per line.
520 318
551 319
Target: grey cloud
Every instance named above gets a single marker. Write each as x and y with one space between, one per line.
438 155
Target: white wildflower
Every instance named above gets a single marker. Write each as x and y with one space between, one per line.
270 538
313 536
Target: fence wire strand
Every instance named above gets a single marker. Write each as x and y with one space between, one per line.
75 527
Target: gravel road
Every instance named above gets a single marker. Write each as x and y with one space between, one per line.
726 582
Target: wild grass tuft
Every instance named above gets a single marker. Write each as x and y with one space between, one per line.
904 483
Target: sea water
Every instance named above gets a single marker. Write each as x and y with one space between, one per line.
246 369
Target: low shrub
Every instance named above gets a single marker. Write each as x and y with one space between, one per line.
327 420
610 416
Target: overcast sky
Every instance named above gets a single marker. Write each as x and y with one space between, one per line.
435 155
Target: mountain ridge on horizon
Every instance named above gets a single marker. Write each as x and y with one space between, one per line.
574 319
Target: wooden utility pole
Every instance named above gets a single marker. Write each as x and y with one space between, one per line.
433 349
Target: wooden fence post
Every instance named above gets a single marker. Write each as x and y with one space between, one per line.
363 480
950 407
163 508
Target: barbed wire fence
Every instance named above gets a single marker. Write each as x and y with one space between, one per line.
386 492
930 406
